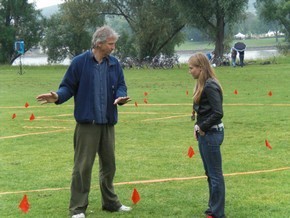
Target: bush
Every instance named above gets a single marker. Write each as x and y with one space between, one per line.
284 48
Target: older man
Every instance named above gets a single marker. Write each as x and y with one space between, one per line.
96 80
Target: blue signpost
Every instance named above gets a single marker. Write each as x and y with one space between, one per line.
19 48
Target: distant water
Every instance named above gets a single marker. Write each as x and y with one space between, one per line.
41 59
37 60
249 55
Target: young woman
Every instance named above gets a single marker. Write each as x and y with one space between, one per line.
209 129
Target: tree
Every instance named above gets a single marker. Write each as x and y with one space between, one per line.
69 31
18 21
155 24
214 17
251 25
125 46
194 34
275 11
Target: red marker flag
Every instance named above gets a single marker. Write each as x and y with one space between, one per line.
268 144
145 93
32 117
26 105
190 152
270 93
13 116
135 196
236 92
186 92
145 101
24 204
136 104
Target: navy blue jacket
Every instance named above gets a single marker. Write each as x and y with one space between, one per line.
80 82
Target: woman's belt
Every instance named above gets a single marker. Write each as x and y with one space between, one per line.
218 126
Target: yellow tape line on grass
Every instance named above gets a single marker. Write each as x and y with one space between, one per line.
153 181
32 133
156 104
166 118
199 177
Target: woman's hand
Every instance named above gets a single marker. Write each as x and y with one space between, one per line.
197 131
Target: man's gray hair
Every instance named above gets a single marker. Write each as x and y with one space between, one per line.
102 34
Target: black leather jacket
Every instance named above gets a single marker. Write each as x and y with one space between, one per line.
210 109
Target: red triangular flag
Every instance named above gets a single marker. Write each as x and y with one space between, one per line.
32 117
186 92
145 93
24 204
13 116
145 101
135 196
236 92
268 144
190 152
270 93
136 104
26 105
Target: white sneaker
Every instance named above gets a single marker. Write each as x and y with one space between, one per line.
124 208
80 215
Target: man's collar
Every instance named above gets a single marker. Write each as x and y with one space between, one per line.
93 57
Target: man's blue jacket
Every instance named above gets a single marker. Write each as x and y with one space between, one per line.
80 82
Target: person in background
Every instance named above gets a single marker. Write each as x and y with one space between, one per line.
241 56
209 56
209 130
233 56
96 80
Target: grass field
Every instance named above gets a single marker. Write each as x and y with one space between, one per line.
151 144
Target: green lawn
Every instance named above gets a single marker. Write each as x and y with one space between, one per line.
152 140
262 42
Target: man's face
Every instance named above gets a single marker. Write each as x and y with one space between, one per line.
107 47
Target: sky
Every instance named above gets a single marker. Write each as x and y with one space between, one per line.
45 3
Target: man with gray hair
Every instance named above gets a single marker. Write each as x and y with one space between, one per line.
96 80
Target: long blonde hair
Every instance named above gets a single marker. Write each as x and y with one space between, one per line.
207 72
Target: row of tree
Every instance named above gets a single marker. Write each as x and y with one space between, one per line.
147 28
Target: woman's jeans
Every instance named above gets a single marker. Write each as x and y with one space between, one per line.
209 147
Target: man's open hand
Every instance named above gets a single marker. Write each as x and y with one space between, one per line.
51 97
122 100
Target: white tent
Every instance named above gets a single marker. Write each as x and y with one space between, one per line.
270 34
240 36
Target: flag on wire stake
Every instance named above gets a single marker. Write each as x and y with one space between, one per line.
135 196
136 104
13 116
32 117
190 152
24 204
268 144
26 105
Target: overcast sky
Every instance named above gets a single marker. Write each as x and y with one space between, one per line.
45 3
